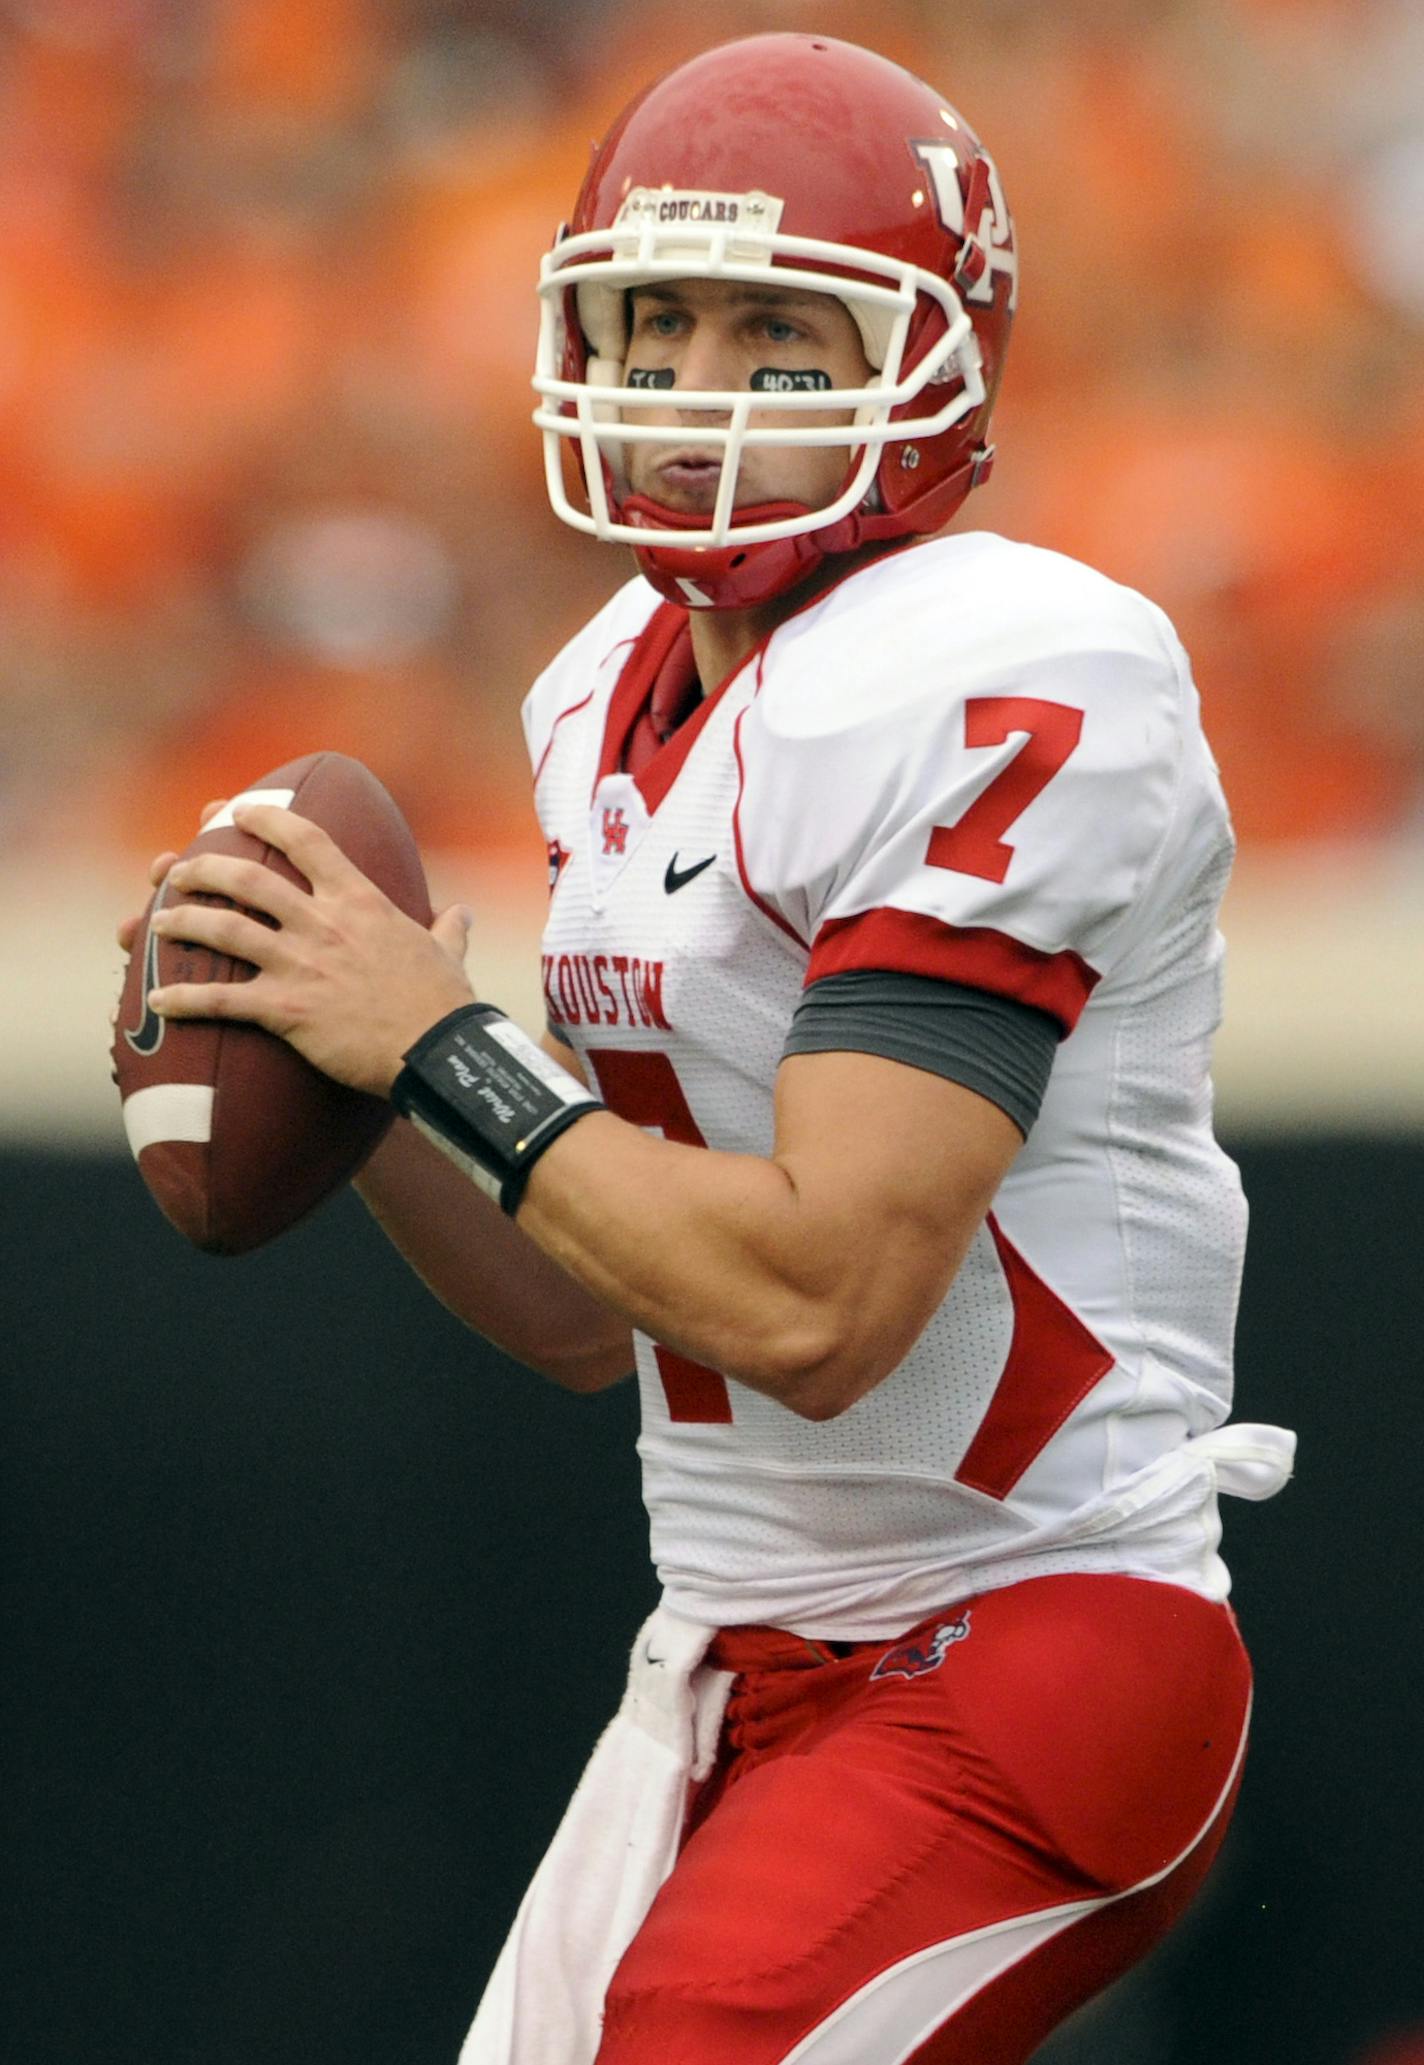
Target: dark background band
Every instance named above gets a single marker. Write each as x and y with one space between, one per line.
312 1608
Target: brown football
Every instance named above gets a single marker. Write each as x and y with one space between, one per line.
235 1134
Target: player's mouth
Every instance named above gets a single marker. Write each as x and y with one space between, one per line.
688 478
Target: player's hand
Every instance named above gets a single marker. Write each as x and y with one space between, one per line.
342 974
127 930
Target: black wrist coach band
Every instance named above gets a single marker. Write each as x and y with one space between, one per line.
489 1097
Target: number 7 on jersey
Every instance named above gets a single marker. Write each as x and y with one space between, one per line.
975 845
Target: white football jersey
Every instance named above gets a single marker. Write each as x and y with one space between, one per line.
984 762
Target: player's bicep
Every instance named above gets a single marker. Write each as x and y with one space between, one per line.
898 1143
895 1167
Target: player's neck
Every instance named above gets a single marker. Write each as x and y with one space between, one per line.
722 639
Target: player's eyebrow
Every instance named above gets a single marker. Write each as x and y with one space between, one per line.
761 297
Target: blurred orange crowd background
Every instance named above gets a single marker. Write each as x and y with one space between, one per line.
267 322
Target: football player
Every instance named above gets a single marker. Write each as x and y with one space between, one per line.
873 1123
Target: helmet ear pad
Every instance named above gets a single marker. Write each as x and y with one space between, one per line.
583 364
920 483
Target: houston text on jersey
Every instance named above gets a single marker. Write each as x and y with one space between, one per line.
604 989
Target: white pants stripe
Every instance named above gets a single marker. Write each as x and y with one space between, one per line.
902 2007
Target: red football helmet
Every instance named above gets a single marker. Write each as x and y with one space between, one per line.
847 175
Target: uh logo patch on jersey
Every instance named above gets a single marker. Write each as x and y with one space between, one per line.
618 821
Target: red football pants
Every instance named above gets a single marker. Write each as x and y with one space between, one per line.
930 1852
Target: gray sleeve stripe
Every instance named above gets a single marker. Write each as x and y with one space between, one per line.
994 1045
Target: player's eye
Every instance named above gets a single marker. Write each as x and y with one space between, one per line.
779 331
660 322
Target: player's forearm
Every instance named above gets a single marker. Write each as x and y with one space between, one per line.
480 1265
725 1258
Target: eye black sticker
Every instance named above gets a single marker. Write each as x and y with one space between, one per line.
652 376
775 380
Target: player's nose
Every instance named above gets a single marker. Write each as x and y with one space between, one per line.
708 366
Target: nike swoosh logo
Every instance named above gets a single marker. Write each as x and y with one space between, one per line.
147 1036
678 878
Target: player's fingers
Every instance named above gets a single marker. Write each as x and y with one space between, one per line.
158 867
225 930
246 1001
306 845
245 881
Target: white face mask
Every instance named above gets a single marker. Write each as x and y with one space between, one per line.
661 235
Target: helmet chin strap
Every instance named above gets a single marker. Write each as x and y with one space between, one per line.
745 576
727 576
